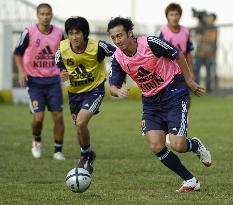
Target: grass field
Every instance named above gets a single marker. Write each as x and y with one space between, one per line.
125 171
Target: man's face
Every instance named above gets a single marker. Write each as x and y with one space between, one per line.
120 37
210 19
173 18
44 16
76 37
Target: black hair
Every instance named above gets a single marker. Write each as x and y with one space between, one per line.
213 15
78 23
173 7
125 22
43 5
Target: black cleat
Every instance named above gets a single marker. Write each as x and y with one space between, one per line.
86 162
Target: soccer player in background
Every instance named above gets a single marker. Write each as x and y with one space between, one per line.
81 61
34 58
162 74
178 36
205 55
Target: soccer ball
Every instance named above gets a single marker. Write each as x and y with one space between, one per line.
78 180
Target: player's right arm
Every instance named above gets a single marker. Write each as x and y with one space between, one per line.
64 75
18 57
116 79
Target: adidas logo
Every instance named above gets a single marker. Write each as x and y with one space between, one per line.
44 59
45 54
142 72
147 80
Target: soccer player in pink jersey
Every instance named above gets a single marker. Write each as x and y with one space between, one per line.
34 57
161 72
178 36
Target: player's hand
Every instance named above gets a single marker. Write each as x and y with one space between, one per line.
197 89
123 93
22 78
64 75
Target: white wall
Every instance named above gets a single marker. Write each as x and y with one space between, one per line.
6 45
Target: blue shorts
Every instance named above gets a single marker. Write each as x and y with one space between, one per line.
167 110
46 95
90 101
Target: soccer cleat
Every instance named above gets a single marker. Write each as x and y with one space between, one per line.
36 149
203 153
189 185
86 162
59 156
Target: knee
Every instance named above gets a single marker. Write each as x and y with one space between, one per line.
155 147
58 116
58 119
179 146
38 119
80 123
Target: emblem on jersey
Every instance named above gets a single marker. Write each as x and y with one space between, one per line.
35 104
142 72
45 58
70 61
147 80
143 123
38 42
143 127
81 69
80 76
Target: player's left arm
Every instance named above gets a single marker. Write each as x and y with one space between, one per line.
189 58
162 48
196 88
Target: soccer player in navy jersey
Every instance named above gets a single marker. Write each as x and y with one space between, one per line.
34 57
81 61
161 72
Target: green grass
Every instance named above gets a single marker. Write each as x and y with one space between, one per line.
125 171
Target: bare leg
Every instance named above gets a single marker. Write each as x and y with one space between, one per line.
59 127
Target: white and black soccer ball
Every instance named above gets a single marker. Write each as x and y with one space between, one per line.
78 180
